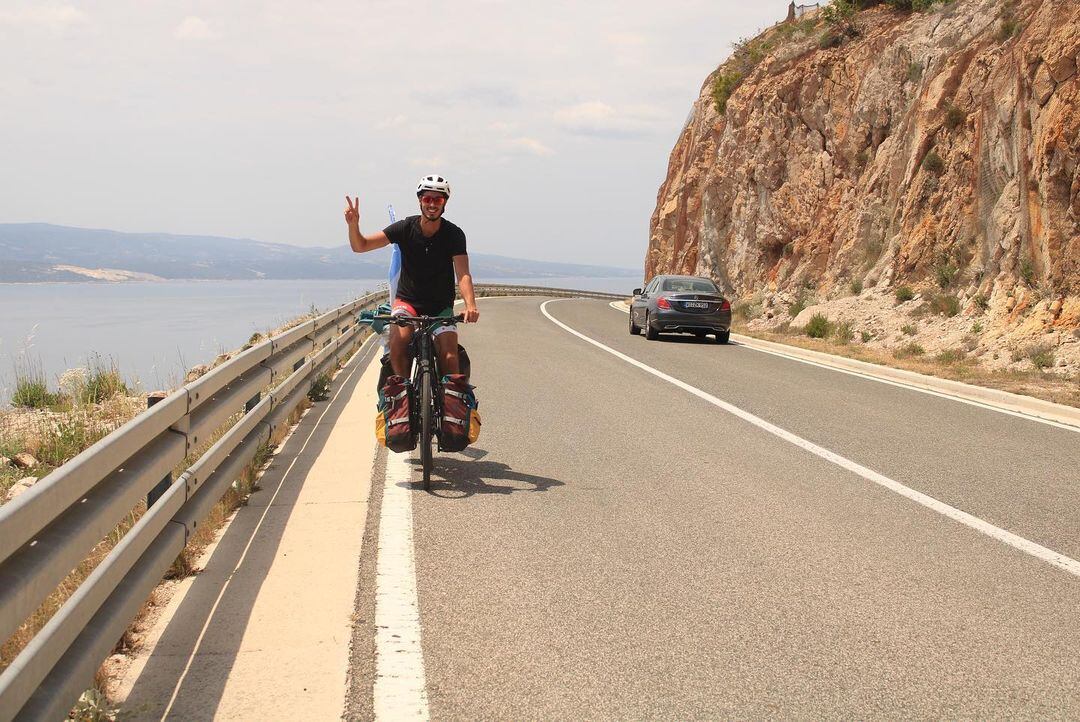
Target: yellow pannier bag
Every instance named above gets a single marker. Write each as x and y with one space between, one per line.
474 426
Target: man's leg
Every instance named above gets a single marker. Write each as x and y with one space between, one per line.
400 337
399 349
446 348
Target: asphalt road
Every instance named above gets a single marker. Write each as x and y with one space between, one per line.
625 549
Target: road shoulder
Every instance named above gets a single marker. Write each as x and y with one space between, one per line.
1058 414
265 625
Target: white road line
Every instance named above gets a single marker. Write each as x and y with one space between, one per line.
400 688
899 384
400 691
1017 542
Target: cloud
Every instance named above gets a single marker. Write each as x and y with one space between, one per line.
530 146
628 50
598 119
194 28
296 94
486 96
505 139
434 161
626 40
410 127
396 121
591 112
50 17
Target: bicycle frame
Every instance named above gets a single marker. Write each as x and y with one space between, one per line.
426 393
423 361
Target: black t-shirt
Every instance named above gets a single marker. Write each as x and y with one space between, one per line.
427 266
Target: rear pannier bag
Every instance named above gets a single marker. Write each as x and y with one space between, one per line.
460 425
393 425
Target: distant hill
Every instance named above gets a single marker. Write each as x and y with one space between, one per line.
36 252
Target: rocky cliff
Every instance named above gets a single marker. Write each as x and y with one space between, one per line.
938 150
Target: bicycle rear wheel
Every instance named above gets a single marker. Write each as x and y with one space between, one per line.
426 428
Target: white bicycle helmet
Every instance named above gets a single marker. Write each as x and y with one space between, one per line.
434 183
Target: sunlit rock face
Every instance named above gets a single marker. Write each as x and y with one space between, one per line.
938 149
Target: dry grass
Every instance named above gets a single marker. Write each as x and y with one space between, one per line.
1045 386
41 616
54 436
93 706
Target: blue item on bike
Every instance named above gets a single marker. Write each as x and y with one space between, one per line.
383 309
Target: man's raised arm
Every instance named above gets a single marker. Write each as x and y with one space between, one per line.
359 242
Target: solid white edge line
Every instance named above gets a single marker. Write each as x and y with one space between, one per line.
899 384
400 690
400 687
1017 542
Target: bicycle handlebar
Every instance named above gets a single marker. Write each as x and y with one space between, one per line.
404 320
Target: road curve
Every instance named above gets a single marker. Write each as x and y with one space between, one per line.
625 549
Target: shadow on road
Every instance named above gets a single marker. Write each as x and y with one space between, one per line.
707 341
455 478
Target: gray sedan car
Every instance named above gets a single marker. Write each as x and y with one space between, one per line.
680 304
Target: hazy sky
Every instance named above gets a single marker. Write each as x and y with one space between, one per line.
552 120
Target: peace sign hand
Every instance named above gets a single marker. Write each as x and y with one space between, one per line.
352 212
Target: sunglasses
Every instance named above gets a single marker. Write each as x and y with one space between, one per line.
434 200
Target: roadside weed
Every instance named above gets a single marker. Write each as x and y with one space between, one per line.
819 326
1041 355
950 356
909 350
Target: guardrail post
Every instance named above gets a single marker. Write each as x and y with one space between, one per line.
253 402
163 485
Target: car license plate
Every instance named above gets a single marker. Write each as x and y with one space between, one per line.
696 304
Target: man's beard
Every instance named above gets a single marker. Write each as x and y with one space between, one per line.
432 215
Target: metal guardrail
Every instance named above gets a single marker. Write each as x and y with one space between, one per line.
492 289
48 530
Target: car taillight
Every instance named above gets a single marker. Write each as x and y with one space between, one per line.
662 302
725 306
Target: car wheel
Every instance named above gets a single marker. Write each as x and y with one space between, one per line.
723 336
650 332
634 330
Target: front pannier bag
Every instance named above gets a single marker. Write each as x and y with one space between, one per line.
393 425
460 424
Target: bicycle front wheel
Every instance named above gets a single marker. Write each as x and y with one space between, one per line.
426 430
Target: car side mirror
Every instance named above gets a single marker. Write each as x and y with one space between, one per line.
637 291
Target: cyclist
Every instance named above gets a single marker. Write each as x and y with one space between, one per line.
432 253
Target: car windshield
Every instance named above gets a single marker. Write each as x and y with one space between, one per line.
692 285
